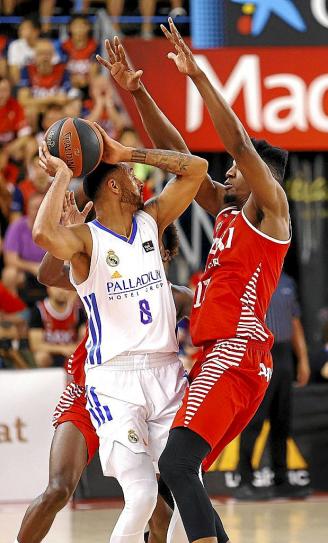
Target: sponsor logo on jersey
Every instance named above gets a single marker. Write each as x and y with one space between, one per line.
133 436
131 286
116 275
112 259
148 246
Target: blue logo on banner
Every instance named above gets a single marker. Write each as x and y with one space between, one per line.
263 9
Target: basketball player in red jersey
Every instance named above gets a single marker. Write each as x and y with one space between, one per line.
75 441
251 238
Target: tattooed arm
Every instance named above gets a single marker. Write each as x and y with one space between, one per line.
178 194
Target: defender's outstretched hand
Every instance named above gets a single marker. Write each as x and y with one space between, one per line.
118 66
183 58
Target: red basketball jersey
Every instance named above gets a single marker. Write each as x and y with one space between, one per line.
75 364
241 274
59 327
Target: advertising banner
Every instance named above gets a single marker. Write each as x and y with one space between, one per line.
27 402
279 93
275 22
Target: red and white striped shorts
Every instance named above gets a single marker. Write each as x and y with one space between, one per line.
226 388
72 408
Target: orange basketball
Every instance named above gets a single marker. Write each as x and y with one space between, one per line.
77 142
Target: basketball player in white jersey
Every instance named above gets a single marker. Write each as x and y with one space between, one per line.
134 379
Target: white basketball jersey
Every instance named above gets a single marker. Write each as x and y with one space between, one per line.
126 296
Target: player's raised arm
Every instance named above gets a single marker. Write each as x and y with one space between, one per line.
61 241
266 191
158 127
178 194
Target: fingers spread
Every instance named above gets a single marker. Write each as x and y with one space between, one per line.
110 52
104 62
122 56
167 34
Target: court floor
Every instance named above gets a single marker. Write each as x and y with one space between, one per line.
270 522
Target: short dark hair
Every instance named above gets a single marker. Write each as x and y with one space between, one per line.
93 182
81 16
170 240
275 157
33 20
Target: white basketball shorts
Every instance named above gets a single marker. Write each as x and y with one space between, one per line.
132 399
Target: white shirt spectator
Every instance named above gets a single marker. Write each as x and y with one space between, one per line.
21 54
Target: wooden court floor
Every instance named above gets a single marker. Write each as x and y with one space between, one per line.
270 522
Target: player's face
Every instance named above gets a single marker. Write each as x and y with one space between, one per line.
236 188
131 189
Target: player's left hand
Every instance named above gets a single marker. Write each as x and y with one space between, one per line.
183 58
51 164
71 214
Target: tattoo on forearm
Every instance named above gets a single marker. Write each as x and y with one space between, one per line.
171 161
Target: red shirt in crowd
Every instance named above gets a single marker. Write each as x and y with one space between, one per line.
45 85
12 122
9 303
80 60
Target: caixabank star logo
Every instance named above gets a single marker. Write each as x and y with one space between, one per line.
256 14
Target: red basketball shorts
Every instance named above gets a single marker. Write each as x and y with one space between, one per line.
72 408
227 386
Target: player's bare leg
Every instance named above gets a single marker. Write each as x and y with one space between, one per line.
68 458
159 522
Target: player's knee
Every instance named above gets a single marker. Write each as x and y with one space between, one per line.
144 494
171 469
57 494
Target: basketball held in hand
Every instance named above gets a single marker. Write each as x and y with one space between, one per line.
77 142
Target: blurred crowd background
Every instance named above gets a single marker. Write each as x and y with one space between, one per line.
48 71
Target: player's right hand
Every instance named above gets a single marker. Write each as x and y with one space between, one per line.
118 66
114 151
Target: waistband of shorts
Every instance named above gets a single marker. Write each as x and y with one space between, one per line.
141 361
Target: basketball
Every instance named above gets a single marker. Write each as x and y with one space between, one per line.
77 142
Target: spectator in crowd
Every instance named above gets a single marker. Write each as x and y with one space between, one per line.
319 362
22 255
37 181
21 52
46 9
3 55
42 82
283 319
55 327
13 123
80 53
12 328
52 114
101 106
11 196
